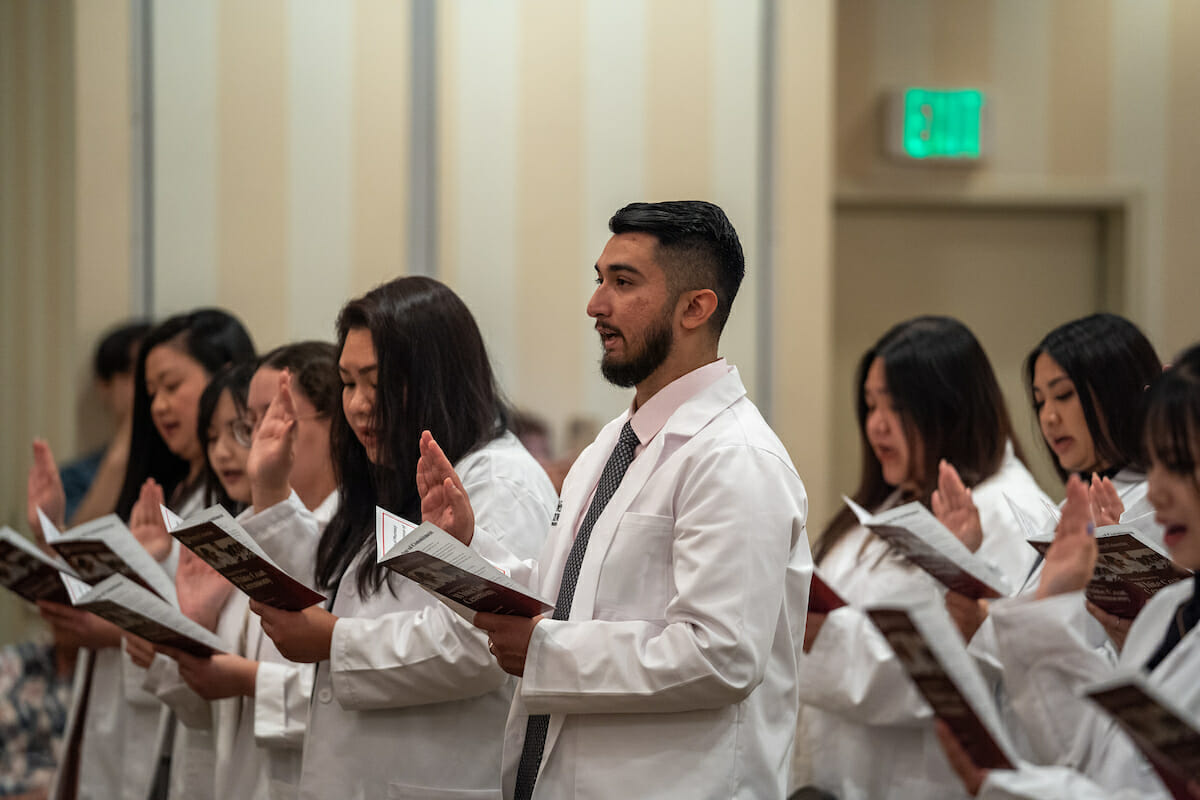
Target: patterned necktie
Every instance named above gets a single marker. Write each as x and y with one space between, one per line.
539 724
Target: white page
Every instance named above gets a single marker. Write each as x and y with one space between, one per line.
1029 526
433 541
111 531
130 597
938 549
49 532
170 518
24 545
389 530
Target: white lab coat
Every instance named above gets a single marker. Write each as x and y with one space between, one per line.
1033 745
411 704
675 674
866 729
121 722
1047 661
248 747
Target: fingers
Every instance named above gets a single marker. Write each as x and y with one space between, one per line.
1076 510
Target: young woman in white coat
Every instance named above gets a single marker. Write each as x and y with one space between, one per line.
116 719
1087 382
408 702
925 393
1049 661
253 727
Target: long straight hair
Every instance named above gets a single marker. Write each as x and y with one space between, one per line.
433 374
950 406
1111 363
213 338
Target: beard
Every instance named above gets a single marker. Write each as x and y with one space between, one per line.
639 365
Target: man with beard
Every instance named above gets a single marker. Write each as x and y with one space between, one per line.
678 557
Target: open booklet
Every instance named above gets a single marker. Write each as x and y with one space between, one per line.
29 572
445 566
917 535
218 539
1130 568
823 598
106 547
139 611
1166 734
932 652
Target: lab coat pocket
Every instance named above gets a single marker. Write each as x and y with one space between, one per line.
636 578
404 791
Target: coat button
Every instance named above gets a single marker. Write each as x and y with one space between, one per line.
325 695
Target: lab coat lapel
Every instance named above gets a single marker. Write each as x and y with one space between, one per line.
576 492
685 423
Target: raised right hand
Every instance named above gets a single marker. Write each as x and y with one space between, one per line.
1071 559
44 490
1107 506
444 501
954 507
202 591
146 522
272 453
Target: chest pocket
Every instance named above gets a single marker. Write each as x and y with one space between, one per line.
636 578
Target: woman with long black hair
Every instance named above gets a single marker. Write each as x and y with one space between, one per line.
408 702
926 394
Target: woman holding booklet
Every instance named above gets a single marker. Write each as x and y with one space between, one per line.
408 701
254 724
925 393
1048 660
118 721
1087 382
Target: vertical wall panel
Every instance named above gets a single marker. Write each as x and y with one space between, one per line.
484 146
1020 86
381 111
1138 142
679 84
253 183
186 175
1080 74
548 208
319 169
614 161
734 159
1181 284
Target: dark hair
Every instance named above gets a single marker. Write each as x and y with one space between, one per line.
213 338
1173 415
946 395
433 374
1111 363
234 378
698 247
314 370
116 352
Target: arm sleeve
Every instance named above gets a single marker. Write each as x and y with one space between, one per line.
430 654
162 683
737 554
281 699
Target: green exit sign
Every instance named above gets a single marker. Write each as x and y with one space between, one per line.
938 124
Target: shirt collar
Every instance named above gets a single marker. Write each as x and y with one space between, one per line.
648 420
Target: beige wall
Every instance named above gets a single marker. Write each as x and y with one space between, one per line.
1091 100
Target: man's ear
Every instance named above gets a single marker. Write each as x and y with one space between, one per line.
698 306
